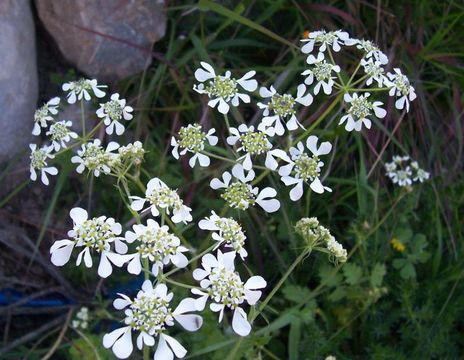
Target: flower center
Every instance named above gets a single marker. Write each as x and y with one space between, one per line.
326 37
94 156
150 313
132 152
373 70
95 234
164 197
156 244
192 138
226 287
222 87
41 113
360 107
232 232
254 143
113 109
81 85
58 131
282 104
368 46
322 71
239 196
38 159
402 84
307 168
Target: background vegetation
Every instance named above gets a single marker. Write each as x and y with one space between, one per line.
384 303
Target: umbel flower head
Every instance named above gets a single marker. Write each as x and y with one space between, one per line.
227 231
149 314
112 112
371 51
325 39
321 72
223 90
38 163
304 168
315 234
223 285
404 172
155 243
81 321
43 115
253 143
192 139
239 194
95 235
132 153
81 89
93 157
359 111
160 197
60 133
400 86
281 108
374 71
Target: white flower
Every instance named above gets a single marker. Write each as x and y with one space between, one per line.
223 285
374 71
304 168
281 107
254 143
39 163
155 243
321 72
82 319
400 86
43 115
78 90
60 134
95 158
192 139
149 314
360 109
112 112
371 51
333 39
161 197
337 253
226 231
222 89
241 195
402 171
93 235
132 152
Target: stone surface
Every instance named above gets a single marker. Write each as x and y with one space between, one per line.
18 77
106 39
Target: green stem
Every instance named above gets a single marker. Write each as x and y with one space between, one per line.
83 117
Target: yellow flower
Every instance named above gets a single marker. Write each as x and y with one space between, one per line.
397 245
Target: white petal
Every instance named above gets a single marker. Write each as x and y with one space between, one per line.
163 352
252 296
317 186
223 107
176 347
78 215
121 341
189 322
297 192
179 260
240 323
104 268
61 252
255 282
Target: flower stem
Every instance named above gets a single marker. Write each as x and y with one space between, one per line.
83 117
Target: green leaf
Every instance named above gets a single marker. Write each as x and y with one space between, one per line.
353 273
338 294
377 274
296 293
294 336
329 276
399 263
408 271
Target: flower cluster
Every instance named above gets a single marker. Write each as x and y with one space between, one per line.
92 155
315 235
222 284
81 321
149 314
404 171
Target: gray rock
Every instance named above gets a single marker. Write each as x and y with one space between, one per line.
106 39
18 77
